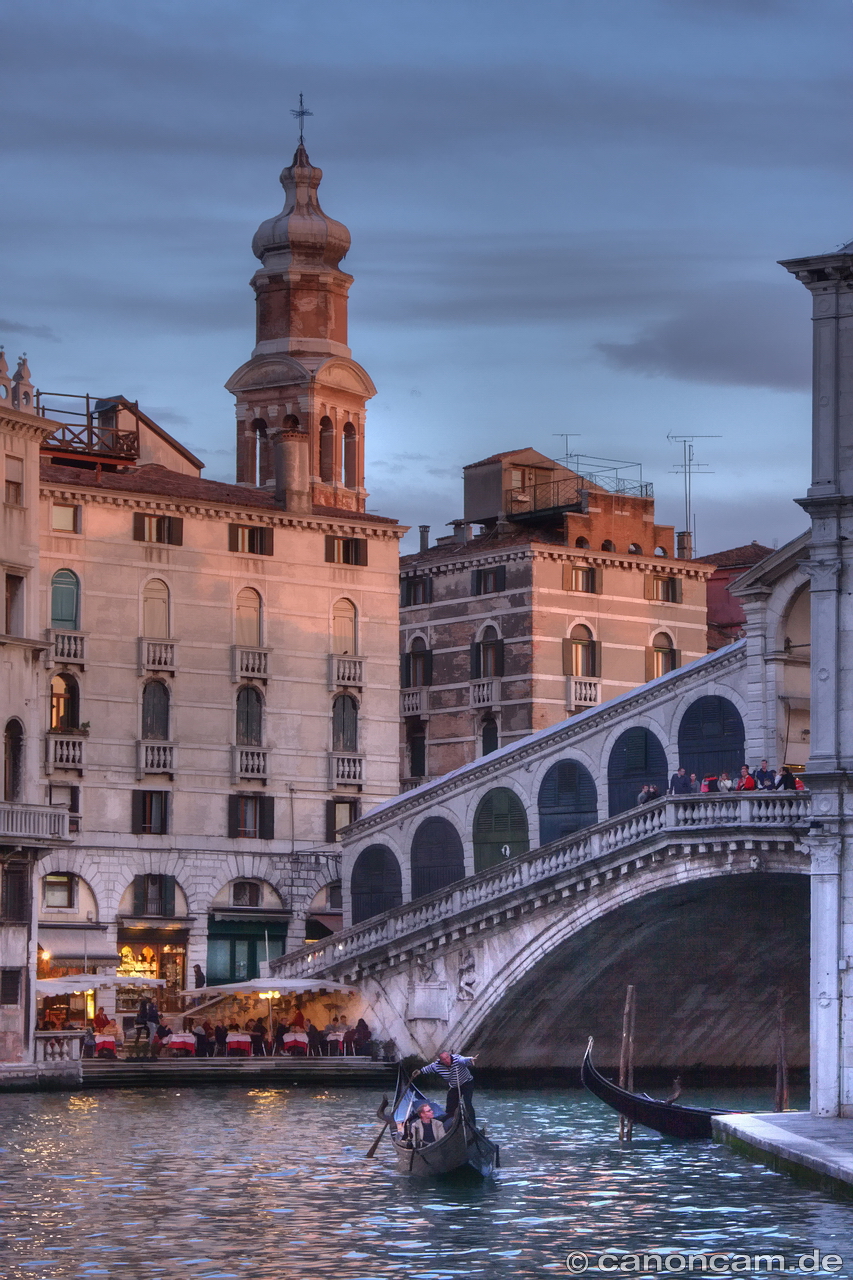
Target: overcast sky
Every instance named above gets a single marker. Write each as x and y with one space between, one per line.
565 217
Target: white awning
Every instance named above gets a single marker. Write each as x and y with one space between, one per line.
77 944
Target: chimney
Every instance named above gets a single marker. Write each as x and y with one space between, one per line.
684 545
292 489
423 529
461 531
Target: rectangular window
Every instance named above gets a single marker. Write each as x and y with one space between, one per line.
58 889
14 481
417 591
663 588
167 529
251 817
339 814
154 896
584 579
15 898
150 814
246 893
14 622
346 550
65 518
10 986
250 540
487 582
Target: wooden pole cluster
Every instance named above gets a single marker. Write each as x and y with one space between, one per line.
626 1059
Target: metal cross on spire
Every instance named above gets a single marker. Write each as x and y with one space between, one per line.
300 115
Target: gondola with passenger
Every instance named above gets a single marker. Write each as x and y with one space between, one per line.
463 1148
667 1117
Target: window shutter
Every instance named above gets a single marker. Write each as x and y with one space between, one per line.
167 900
74 807
428 666
676 659
78 519
265 542
175 531
137 814
568 577
650 664
138 526
166 811
477 582
139 890
266 817
405 670
595 658
428 592
331 833
476 664
10 986
361 551
598 581
677 584
233 817
500 578
405 592
649 586
233 537
331 548
567 656
499 657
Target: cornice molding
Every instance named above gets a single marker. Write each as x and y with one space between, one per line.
582 556
26 424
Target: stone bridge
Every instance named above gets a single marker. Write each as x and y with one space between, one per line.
700 901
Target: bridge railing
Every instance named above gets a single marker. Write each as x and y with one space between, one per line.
676 814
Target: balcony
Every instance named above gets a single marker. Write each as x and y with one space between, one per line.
61 1046
248 664
66 646
484 693
345 670
33 822
412 702
157 655
249 762
155 757
346 769
64 751
582 692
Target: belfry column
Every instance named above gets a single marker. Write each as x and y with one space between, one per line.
829 502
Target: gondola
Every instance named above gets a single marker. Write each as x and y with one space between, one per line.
666 1117
464 1149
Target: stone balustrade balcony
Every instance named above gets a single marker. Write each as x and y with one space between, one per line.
65 751
58 1046
346 670
157 655
155 757
345 768
68 647
33 822
412 702
582 692
249 763
249 664
485 693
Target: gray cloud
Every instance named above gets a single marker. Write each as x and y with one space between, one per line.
31 330
748 335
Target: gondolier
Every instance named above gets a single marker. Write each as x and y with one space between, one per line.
453 1069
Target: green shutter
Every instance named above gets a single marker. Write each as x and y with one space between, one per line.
595 657
266 818
137 817
233 817
139 891
477 582
476 664
428 666
167 898
405 670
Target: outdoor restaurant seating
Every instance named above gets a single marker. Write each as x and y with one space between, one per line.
238 1044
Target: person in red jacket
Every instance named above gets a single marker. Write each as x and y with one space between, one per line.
746 782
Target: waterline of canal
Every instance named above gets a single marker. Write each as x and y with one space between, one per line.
231 1184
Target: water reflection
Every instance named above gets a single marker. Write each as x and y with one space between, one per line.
227 1184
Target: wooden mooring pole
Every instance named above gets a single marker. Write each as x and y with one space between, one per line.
781 1100
626 1059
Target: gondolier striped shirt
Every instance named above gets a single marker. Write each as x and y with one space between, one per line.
455 1075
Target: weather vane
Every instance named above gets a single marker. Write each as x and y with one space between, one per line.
300 116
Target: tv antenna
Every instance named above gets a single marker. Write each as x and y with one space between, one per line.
689 467
566 436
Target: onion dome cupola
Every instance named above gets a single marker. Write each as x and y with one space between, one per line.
302 235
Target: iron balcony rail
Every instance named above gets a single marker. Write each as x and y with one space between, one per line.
673 814
568 492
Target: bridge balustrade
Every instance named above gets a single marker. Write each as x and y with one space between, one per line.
676 814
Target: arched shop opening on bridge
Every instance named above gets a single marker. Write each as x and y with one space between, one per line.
568 801
437 856
500 828
711 738
637 757
376 884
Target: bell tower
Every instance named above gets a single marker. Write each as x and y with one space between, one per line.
301 397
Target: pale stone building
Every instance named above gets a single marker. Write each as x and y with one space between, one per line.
570 595
221 688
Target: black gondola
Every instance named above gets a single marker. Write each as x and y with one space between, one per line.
464 1149
666 1117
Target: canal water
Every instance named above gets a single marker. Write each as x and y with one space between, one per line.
234 1184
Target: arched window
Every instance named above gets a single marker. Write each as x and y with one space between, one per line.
65 601
661 551
420 660
637 758
249 717
568 801
248 629
64 703
327 450
350 456
437 857
376 884
583 652
343 627
607 545
500 828
664 658
635 549
582 542
155 609
489 653
13 759
711 737
259 445
155 712
344 723
489 735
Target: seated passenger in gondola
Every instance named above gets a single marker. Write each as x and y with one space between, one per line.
425 1128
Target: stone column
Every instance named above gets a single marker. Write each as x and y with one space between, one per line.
829 502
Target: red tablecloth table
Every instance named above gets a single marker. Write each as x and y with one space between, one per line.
238 1044
295 1042
182 1040
105 1045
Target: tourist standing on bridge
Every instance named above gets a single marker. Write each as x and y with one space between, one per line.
746 782
453 1069
679 783
765 778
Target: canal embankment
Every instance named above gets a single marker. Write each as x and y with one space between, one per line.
817 1150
